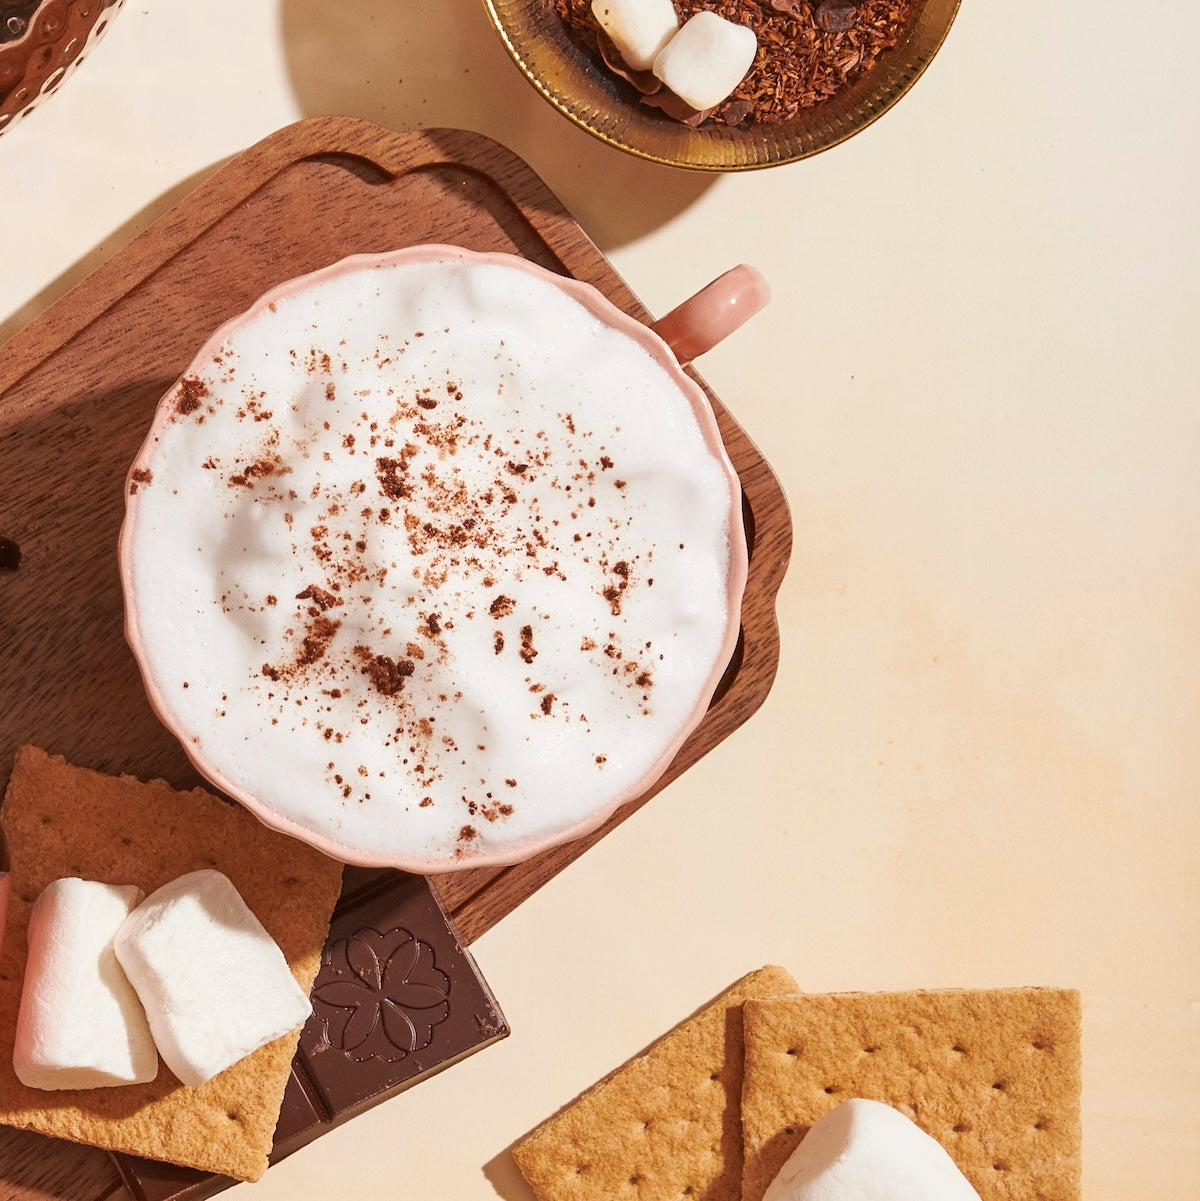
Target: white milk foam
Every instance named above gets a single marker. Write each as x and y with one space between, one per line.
430 561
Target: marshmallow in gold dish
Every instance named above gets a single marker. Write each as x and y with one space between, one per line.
706 59
638 28
435 558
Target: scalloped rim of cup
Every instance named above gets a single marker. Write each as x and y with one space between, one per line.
607 311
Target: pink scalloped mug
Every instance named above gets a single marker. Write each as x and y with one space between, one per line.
434 558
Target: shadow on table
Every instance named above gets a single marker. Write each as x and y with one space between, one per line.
420 65
505 1177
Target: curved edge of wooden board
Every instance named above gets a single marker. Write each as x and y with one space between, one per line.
387 151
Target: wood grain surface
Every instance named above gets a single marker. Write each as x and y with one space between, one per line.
77 390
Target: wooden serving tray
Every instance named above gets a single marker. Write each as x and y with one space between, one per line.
77 391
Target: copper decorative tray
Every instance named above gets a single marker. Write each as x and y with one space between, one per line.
77 390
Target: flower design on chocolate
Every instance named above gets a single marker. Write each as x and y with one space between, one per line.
380 995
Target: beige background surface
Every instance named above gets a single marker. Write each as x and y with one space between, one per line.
978 384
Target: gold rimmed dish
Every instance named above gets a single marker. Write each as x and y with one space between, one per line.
585 90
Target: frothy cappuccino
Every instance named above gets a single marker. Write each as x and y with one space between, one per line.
432 561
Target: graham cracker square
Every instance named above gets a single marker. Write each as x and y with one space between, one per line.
992 1074
67 821
663 1126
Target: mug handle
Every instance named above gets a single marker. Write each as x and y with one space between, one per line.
719 308
5 885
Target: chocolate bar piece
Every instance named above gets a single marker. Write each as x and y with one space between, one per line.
397 998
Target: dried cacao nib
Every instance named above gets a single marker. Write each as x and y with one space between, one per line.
835 16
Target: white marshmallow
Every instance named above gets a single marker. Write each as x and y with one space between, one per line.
639 28
706 59
214 984
80 1024
868 1151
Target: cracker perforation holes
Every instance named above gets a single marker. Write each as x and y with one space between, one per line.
959 1049
1000 1166
714 1077
961 1127
793 1050
871 1050
832 1088
581 1168
1042 1124
1000 1085
635 1180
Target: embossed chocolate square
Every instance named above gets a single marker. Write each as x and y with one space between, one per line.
397 998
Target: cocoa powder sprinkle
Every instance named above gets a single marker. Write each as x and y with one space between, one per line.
528 653
502 606
387 675
319 596
193 391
